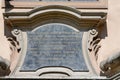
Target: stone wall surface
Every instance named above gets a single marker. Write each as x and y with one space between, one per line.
4 44
110 44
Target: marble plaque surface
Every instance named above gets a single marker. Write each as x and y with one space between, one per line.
54 45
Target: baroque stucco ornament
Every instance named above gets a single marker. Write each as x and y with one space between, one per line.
56 14
93 42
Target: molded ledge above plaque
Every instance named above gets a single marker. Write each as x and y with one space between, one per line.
54 12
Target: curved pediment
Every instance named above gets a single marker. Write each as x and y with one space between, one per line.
52 13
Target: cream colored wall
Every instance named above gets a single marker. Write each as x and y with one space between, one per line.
1 20
111 44
4 45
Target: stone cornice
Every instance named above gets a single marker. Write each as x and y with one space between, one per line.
53 12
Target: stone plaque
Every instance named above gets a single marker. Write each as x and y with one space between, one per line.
54 45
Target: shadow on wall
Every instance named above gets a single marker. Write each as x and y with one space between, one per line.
4 72
8 6
4 67
103 31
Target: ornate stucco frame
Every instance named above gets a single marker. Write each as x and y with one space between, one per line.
33 18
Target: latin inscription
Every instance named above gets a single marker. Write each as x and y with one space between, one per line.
54 45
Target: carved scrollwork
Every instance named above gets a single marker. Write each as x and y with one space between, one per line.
18 34
14 45
93 42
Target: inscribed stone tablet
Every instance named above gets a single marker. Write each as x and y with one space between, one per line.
56 45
